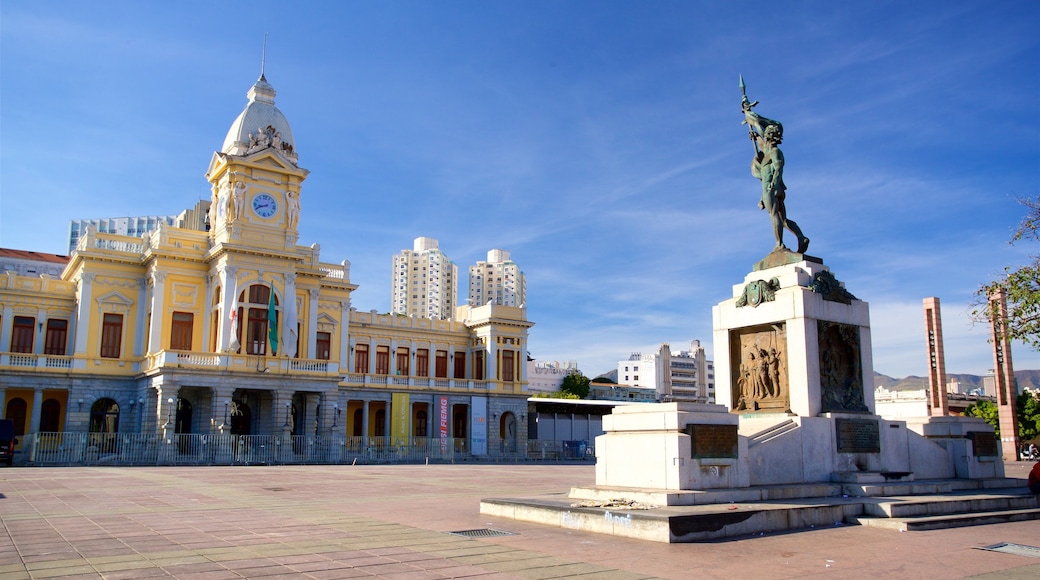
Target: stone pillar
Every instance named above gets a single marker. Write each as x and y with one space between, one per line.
8 325
41 319
140 340
1004 376
312 325
37 407
393 356
158 311
344 337
491 373
83 313
938 402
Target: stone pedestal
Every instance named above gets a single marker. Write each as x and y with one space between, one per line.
793 340
671 446
971 444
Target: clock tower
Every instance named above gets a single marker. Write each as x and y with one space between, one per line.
255 178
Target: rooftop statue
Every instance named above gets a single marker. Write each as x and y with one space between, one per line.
768 166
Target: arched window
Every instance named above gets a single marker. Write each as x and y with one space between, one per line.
182 423
256 309
104 416
50 416
359 420
241 418
16 411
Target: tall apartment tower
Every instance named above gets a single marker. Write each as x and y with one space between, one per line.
425 282
498 280
194 218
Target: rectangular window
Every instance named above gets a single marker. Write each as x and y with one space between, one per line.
180 330
460 364
403 356
422 362
441 369
324 346
478 365
22 334
57 337
111 335
508 366
382 360
361 358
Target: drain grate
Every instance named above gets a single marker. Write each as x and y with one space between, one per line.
1017 549
481 533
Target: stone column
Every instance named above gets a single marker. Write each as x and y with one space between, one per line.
83 313
344 337
8 326
158 311
312 324
140 340
37 407
491 374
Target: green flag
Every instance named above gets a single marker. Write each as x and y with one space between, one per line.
272 324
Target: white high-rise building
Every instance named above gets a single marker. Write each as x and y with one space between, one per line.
424 282
683 376
193 219
498 280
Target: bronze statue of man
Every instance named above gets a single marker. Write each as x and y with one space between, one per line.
768 166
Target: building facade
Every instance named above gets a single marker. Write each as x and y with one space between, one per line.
676 376
547 376
187 337
497 281
424 282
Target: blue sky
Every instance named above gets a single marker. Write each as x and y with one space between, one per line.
598 141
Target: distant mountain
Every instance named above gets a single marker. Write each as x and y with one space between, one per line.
1029 379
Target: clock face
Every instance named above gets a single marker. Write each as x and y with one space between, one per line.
264 205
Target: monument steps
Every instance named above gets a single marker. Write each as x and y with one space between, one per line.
940 522
692 516
771 433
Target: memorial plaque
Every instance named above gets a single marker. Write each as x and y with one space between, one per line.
712 441
857 435
983 444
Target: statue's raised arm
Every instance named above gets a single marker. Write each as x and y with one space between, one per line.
768 166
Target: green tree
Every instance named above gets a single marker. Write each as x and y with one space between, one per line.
986 411
1021 285
1027 408
1027 414
576 384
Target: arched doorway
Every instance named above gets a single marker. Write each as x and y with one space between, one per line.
16 411
359 419
104 424
241 418
507 432
182 425
50 416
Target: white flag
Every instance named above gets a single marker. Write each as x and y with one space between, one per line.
233 315
289 329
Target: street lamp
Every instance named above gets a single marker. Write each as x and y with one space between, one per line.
169 415
287 406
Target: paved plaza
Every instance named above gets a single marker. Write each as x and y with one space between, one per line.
394 521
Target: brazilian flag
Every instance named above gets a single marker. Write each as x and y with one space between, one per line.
272 324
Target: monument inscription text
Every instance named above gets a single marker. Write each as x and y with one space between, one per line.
712 441
857 435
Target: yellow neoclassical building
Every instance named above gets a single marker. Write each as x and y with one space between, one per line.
238 344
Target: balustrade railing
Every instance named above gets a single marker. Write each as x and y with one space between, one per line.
128 449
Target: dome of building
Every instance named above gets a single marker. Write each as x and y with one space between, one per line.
260 126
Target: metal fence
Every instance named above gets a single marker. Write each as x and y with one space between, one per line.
125 449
